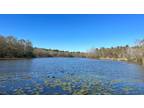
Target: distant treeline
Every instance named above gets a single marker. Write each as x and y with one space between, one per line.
41 52
11 47
126 53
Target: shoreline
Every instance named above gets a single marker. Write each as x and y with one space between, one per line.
14 58
123 60
114 59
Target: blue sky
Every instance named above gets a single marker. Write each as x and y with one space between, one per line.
74 32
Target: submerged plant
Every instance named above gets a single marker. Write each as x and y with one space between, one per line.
19 91
127 89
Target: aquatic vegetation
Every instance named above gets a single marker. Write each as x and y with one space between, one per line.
81 92
19 91
76 85
84 90
116 81
128 88
66 86
46 82
69 85
86 78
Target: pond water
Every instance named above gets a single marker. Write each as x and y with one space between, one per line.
66 76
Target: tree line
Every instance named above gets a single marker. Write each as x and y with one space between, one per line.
41 52
134 53
11 47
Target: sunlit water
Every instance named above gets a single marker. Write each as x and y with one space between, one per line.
70 76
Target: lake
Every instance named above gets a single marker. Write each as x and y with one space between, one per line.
70 76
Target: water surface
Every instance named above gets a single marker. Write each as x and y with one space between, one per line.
70 76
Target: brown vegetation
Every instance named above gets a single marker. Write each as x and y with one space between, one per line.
10 47
125 53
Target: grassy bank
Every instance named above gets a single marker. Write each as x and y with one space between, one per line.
138 60
116 59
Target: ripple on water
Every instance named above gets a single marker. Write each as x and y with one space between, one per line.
70 76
